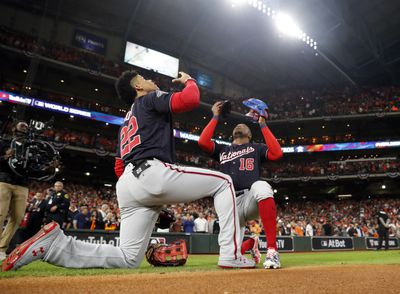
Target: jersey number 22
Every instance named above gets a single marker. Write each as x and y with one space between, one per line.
128 138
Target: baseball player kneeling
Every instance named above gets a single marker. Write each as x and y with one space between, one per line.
148 179
242 161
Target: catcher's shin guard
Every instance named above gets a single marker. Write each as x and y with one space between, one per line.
174 254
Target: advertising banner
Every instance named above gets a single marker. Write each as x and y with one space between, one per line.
372 243
332 243
112 238
284 244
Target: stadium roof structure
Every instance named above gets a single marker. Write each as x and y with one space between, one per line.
358 41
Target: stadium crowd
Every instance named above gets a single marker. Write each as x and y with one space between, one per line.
292 104
287 168
303 168
92 208
326 168
97 208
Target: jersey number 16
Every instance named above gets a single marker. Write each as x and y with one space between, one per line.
246 164
128 138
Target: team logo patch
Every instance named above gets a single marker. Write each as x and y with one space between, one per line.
160 93
226 157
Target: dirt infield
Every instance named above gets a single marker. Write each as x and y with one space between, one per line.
323 279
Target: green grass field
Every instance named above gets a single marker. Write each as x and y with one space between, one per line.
208 263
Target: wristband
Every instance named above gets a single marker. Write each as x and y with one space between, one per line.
263 125
190 79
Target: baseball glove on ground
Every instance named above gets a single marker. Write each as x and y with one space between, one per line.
174 254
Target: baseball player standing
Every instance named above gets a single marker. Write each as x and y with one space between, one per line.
148 179
242 161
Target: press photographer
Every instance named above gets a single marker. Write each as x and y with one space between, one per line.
13 189
32 157
23 156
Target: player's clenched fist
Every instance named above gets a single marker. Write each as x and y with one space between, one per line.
183 78
217 107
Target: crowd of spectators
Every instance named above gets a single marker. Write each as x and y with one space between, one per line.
323 167
281 169
72 101
337 218
297 104
59 52
323 218
90 208
360 165
80 139
286 104
326 168
97 208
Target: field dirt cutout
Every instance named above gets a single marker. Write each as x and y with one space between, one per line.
316 279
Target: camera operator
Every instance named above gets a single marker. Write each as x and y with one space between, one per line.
13 191
57 205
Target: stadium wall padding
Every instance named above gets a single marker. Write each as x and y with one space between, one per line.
200 243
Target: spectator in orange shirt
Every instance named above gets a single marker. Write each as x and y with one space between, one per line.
299 230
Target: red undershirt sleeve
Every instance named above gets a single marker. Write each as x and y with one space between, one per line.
186 100
118 167
274 148
205 142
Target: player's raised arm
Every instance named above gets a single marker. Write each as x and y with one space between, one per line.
205 142
189 98
274 148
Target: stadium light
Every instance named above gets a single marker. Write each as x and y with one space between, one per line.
284 23
287 26
383 187
236 3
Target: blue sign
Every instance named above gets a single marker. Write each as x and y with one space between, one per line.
203 79
89 42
